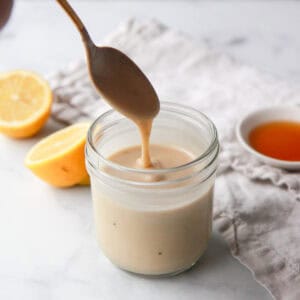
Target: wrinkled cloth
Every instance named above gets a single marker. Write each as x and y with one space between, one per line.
257 207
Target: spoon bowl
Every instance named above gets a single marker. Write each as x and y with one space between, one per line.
121 82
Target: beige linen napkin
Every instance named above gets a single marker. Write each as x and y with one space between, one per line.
257 207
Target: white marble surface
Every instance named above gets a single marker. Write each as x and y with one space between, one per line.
47 247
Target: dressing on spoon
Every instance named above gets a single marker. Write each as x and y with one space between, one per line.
121 82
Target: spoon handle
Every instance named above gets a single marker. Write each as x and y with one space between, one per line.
77 21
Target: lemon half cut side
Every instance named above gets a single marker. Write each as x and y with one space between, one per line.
25 103
59 158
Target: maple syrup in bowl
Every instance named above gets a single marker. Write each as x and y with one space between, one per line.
272 135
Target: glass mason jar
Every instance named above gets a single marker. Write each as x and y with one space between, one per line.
153 228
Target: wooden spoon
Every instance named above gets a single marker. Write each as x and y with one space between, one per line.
118 79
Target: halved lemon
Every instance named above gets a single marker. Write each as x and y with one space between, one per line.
25 103
85 181
59 158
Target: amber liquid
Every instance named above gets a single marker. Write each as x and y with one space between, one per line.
280 139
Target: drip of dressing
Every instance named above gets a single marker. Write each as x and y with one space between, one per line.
145 127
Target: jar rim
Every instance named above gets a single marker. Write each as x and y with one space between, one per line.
184 110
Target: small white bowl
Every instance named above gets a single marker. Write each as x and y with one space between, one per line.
252 120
